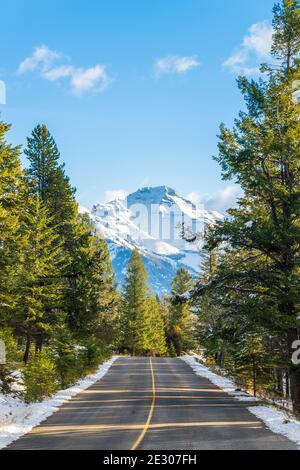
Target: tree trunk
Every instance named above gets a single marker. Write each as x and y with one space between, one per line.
288 387
254 377
38 343
219 358
27 349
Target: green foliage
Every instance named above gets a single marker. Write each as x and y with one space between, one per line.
13 354
181 320
256 282
134 305
93 353
91 291
48 181
66 357
171 351
141 323
11 185
154 340
39 282
252 359
40 377
57 288
6 379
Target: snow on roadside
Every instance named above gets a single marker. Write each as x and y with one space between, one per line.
277 421
18 418
225 383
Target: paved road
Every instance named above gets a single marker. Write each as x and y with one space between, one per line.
152 404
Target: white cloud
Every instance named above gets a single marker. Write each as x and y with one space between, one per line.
94 78
115 194
58 72
260 39
42 57
80 80
255 47
194 197
219 201
173 64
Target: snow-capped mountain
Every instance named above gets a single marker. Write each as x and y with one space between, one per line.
152 220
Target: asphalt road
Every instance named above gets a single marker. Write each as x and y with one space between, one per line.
152 404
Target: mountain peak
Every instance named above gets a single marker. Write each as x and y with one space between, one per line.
155 232
151 195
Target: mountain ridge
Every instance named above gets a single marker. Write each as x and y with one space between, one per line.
151 220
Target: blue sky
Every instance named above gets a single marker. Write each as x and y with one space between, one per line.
133 91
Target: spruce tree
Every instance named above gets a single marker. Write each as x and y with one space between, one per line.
262 154
40 276
11 188
90 296
252 360
181 317
43 156
154 340
135 304
48 179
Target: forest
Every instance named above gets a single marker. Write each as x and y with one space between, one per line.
61 312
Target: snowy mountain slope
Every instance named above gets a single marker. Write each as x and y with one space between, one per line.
150 220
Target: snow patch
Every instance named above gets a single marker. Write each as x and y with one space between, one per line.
278 422
225 383
18 418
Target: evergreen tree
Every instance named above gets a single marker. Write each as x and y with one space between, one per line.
49 181
43 156
181 317
154 340
135 305
90 296
252 360
39 281
262 154
11 188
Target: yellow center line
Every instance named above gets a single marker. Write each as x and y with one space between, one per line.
145 429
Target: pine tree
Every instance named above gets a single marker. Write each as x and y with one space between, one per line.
46 179
181 318
49 181
154 340
90 297
43 155
252 360
262 154
39 279
135 305
11 187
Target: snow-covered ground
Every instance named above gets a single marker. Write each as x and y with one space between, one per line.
277 421
18 418
223 382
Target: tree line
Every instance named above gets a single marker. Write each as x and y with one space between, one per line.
153 325
58 299
249 296
61 312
